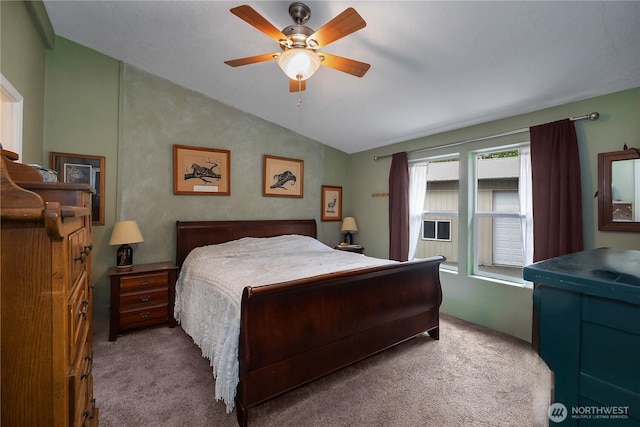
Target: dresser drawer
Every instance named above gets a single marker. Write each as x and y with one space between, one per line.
79 315
144 281
136 318
144 298
79 256
81 387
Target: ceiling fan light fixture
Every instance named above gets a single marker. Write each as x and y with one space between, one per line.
299 63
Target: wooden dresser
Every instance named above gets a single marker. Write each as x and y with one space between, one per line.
46 301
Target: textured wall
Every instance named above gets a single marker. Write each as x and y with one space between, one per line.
22 63
156 115
82 109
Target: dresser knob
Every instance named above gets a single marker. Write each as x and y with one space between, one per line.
144 314
145 298
144 282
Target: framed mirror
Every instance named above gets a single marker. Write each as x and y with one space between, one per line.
619 190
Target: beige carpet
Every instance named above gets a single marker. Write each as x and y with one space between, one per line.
472 376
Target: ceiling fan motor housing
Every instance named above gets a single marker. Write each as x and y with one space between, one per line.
298 36
299 12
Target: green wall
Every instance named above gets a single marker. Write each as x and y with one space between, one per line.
497 305
22 62
158 114
336 173
82 117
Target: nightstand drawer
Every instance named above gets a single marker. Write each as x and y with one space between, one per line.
144 298
143 316
144 281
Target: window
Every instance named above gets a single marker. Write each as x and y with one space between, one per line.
500 218
436 230
439 234
477 211
11 117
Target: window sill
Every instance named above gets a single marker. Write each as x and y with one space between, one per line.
524 284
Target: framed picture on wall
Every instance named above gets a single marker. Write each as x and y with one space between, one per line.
282 177
201 171
331 203
83 169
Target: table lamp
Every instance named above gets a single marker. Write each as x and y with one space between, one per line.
349 226
125 232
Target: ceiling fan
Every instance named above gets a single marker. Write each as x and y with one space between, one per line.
299 58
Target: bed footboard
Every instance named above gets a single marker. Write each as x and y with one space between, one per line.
295 332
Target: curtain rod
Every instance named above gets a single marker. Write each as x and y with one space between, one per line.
591 116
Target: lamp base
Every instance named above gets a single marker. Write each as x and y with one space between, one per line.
348 238
124 257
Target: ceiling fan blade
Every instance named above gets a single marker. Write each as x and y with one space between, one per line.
251 59
293 85
346 65
249 15
342 25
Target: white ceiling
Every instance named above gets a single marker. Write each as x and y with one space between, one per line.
435 66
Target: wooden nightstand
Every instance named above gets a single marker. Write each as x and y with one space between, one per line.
351 248
141 296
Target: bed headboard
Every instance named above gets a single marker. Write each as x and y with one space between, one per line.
193 234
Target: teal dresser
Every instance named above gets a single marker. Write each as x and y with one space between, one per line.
589 311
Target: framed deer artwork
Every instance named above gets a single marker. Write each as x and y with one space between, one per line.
201 171
331 203
282 177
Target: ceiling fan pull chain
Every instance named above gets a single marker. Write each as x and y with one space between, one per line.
299 90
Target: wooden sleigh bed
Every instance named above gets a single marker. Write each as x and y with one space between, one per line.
292 333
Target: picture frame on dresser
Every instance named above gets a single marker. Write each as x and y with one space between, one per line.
282 177
83 169
201 171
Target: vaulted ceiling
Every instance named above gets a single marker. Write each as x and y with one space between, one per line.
435 66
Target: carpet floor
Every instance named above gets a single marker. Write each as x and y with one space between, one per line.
472 376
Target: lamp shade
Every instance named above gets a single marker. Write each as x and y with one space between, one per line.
298 62
125 232
349 225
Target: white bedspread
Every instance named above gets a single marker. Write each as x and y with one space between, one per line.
210 285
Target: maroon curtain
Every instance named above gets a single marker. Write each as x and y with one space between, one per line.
399 208
557 197
556 190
